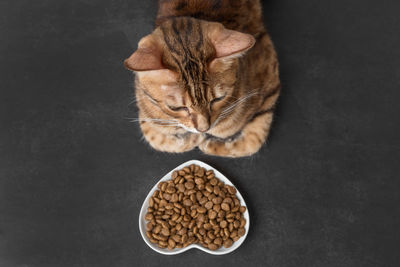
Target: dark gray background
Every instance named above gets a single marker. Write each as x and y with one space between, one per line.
324 191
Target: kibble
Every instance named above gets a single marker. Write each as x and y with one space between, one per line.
194 207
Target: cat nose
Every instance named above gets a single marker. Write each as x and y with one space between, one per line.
202 123
202 130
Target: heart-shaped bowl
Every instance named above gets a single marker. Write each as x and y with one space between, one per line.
220 251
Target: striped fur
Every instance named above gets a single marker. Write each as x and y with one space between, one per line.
181 105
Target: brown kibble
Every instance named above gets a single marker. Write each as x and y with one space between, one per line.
201 210
209 188
216 189
163 202
164 224
163 187
191 167
218 241
148 234
225 206
157 229
201 218
191 224
199 181
228 243
175 216
207 226
210 235
223 224
217 207
169 206
217 200
165 231
210 176
171 243
199 195
213 246
227 200
200 172
170 189
178 205
231 189
160 185
189 185
193 213
152 240
233 234
226 232
194 206
181 188
208 205
203 200
242 222
221 214
149 216
230 216
230 227
166 196
241 232
202 231
149 226
177 238
187 202
184 238
212 214
174 197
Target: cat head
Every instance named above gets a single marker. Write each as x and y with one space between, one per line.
189 68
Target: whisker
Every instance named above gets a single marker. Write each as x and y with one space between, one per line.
237 102
228 110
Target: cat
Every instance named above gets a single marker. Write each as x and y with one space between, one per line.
206 77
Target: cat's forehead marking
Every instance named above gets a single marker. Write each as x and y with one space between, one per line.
189 52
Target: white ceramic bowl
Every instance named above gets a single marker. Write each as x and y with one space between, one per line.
220 251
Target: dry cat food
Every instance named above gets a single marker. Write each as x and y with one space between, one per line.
194 207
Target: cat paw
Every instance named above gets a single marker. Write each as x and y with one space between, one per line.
172 143
233 149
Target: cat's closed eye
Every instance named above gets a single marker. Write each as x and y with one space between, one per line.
177 108
215 100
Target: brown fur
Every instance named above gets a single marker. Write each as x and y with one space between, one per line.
200 51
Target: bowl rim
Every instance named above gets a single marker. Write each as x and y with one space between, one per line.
220 251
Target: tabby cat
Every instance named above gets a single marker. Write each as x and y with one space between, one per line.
206 77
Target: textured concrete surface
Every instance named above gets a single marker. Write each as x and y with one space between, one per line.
324 191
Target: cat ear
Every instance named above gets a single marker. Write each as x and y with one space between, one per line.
147 57
229 43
